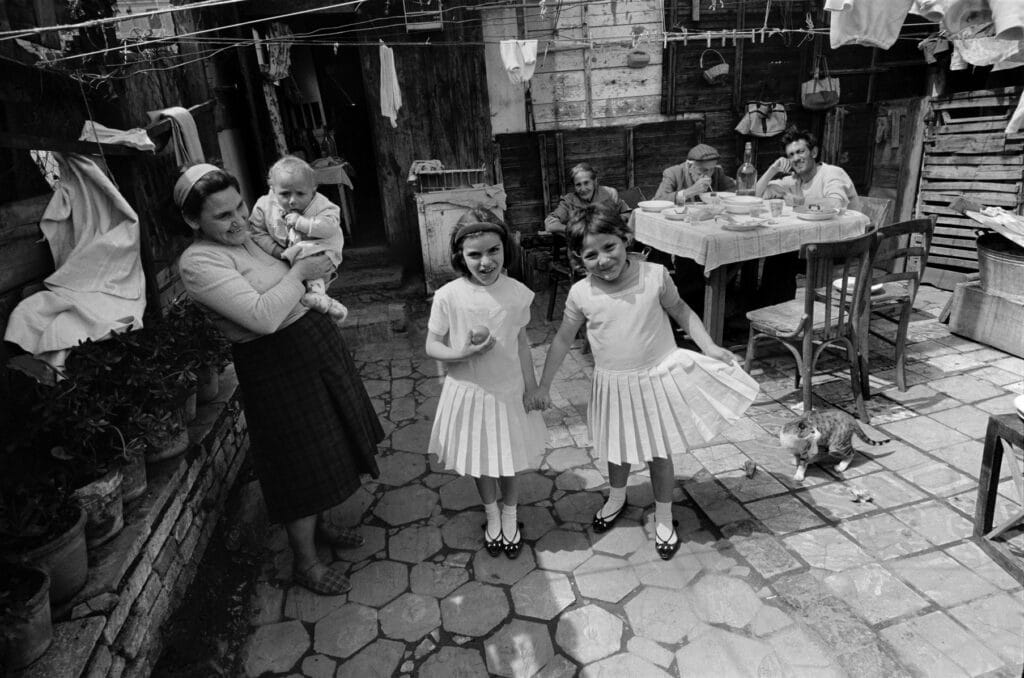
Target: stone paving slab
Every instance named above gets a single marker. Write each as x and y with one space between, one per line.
773 577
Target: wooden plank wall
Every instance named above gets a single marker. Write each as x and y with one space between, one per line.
967 154
577 85
535 165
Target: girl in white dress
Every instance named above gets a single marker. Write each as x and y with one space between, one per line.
650 399
478 327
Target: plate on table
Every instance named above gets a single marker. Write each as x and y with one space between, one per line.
710 197
741 204
655 205
851 282
810 214
750 225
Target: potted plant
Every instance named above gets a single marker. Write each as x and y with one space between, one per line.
40 522
202 343
25 628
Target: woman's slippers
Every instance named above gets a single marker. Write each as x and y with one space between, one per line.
341 537
667 548
513 546
494 546
330 583
605 523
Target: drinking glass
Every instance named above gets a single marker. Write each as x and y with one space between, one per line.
776 205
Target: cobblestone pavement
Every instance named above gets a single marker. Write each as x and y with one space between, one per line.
774 578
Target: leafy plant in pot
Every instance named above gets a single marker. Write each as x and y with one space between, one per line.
41 524
84 417
197 337
158 380
26 630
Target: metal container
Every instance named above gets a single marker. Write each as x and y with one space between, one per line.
1000 265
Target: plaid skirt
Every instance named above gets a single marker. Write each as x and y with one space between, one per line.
312 428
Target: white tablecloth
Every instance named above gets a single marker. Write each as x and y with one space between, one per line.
709 244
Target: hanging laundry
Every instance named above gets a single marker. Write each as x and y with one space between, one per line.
1008 16
390 95
98 285
962 14
977 47
519 58
188 150
135 138
867 22
278 65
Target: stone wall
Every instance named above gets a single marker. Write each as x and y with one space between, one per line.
112 627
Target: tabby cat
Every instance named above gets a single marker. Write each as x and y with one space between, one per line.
820 436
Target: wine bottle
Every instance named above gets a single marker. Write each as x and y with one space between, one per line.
746 175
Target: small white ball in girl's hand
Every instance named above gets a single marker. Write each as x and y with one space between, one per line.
479 334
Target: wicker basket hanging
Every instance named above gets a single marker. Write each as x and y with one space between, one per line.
714 73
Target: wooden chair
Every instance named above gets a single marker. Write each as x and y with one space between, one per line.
806 327
878 210
560 269
901 256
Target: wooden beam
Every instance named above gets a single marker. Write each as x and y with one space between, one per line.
31 142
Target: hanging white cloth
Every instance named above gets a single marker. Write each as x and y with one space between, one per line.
975 46
390 95
135 138
188 149
1008 16
98 284
519 57
867 22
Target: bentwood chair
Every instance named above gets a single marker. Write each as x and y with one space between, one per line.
900 259
560 269
829 315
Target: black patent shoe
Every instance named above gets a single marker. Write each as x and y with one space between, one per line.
666 549
493 546
513 546
605 523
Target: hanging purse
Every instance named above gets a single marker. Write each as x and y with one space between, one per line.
763 119
820 93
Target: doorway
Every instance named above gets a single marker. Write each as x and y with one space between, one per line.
346 114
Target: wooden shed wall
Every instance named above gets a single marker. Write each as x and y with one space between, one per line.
576 84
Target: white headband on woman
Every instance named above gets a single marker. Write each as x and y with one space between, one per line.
188 179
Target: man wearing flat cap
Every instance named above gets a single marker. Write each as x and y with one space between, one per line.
699 174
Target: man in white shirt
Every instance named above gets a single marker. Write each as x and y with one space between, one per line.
817 181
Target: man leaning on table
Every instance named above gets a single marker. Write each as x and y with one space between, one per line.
699 174
818 181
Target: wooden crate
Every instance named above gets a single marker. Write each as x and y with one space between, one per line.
988 318
967 154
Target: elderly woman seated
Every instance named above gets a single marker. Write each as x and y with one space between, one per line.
586 191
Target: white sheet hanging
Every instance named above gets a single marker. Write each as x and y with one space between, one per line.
135 138
390 95
98 284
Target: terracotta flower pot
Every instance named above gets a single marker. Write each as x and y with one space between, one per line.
134 482
104 507
25 628
64 558
168 446
209 384
188 408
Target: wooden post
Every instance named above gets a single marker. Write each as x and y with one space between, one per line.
560 159
630 159
542 150
587 53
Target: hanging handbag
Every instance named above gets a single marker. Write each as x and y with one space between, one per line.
763 119
820 93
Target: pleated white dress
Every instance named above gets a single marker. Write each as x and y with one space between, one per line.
650 398
481 427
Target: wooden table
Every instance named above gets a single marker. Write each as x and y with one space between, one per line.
717 249
1008 428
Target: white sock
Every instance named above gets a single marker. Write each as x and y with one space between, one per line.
493 520
509 522
663 518
616 499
